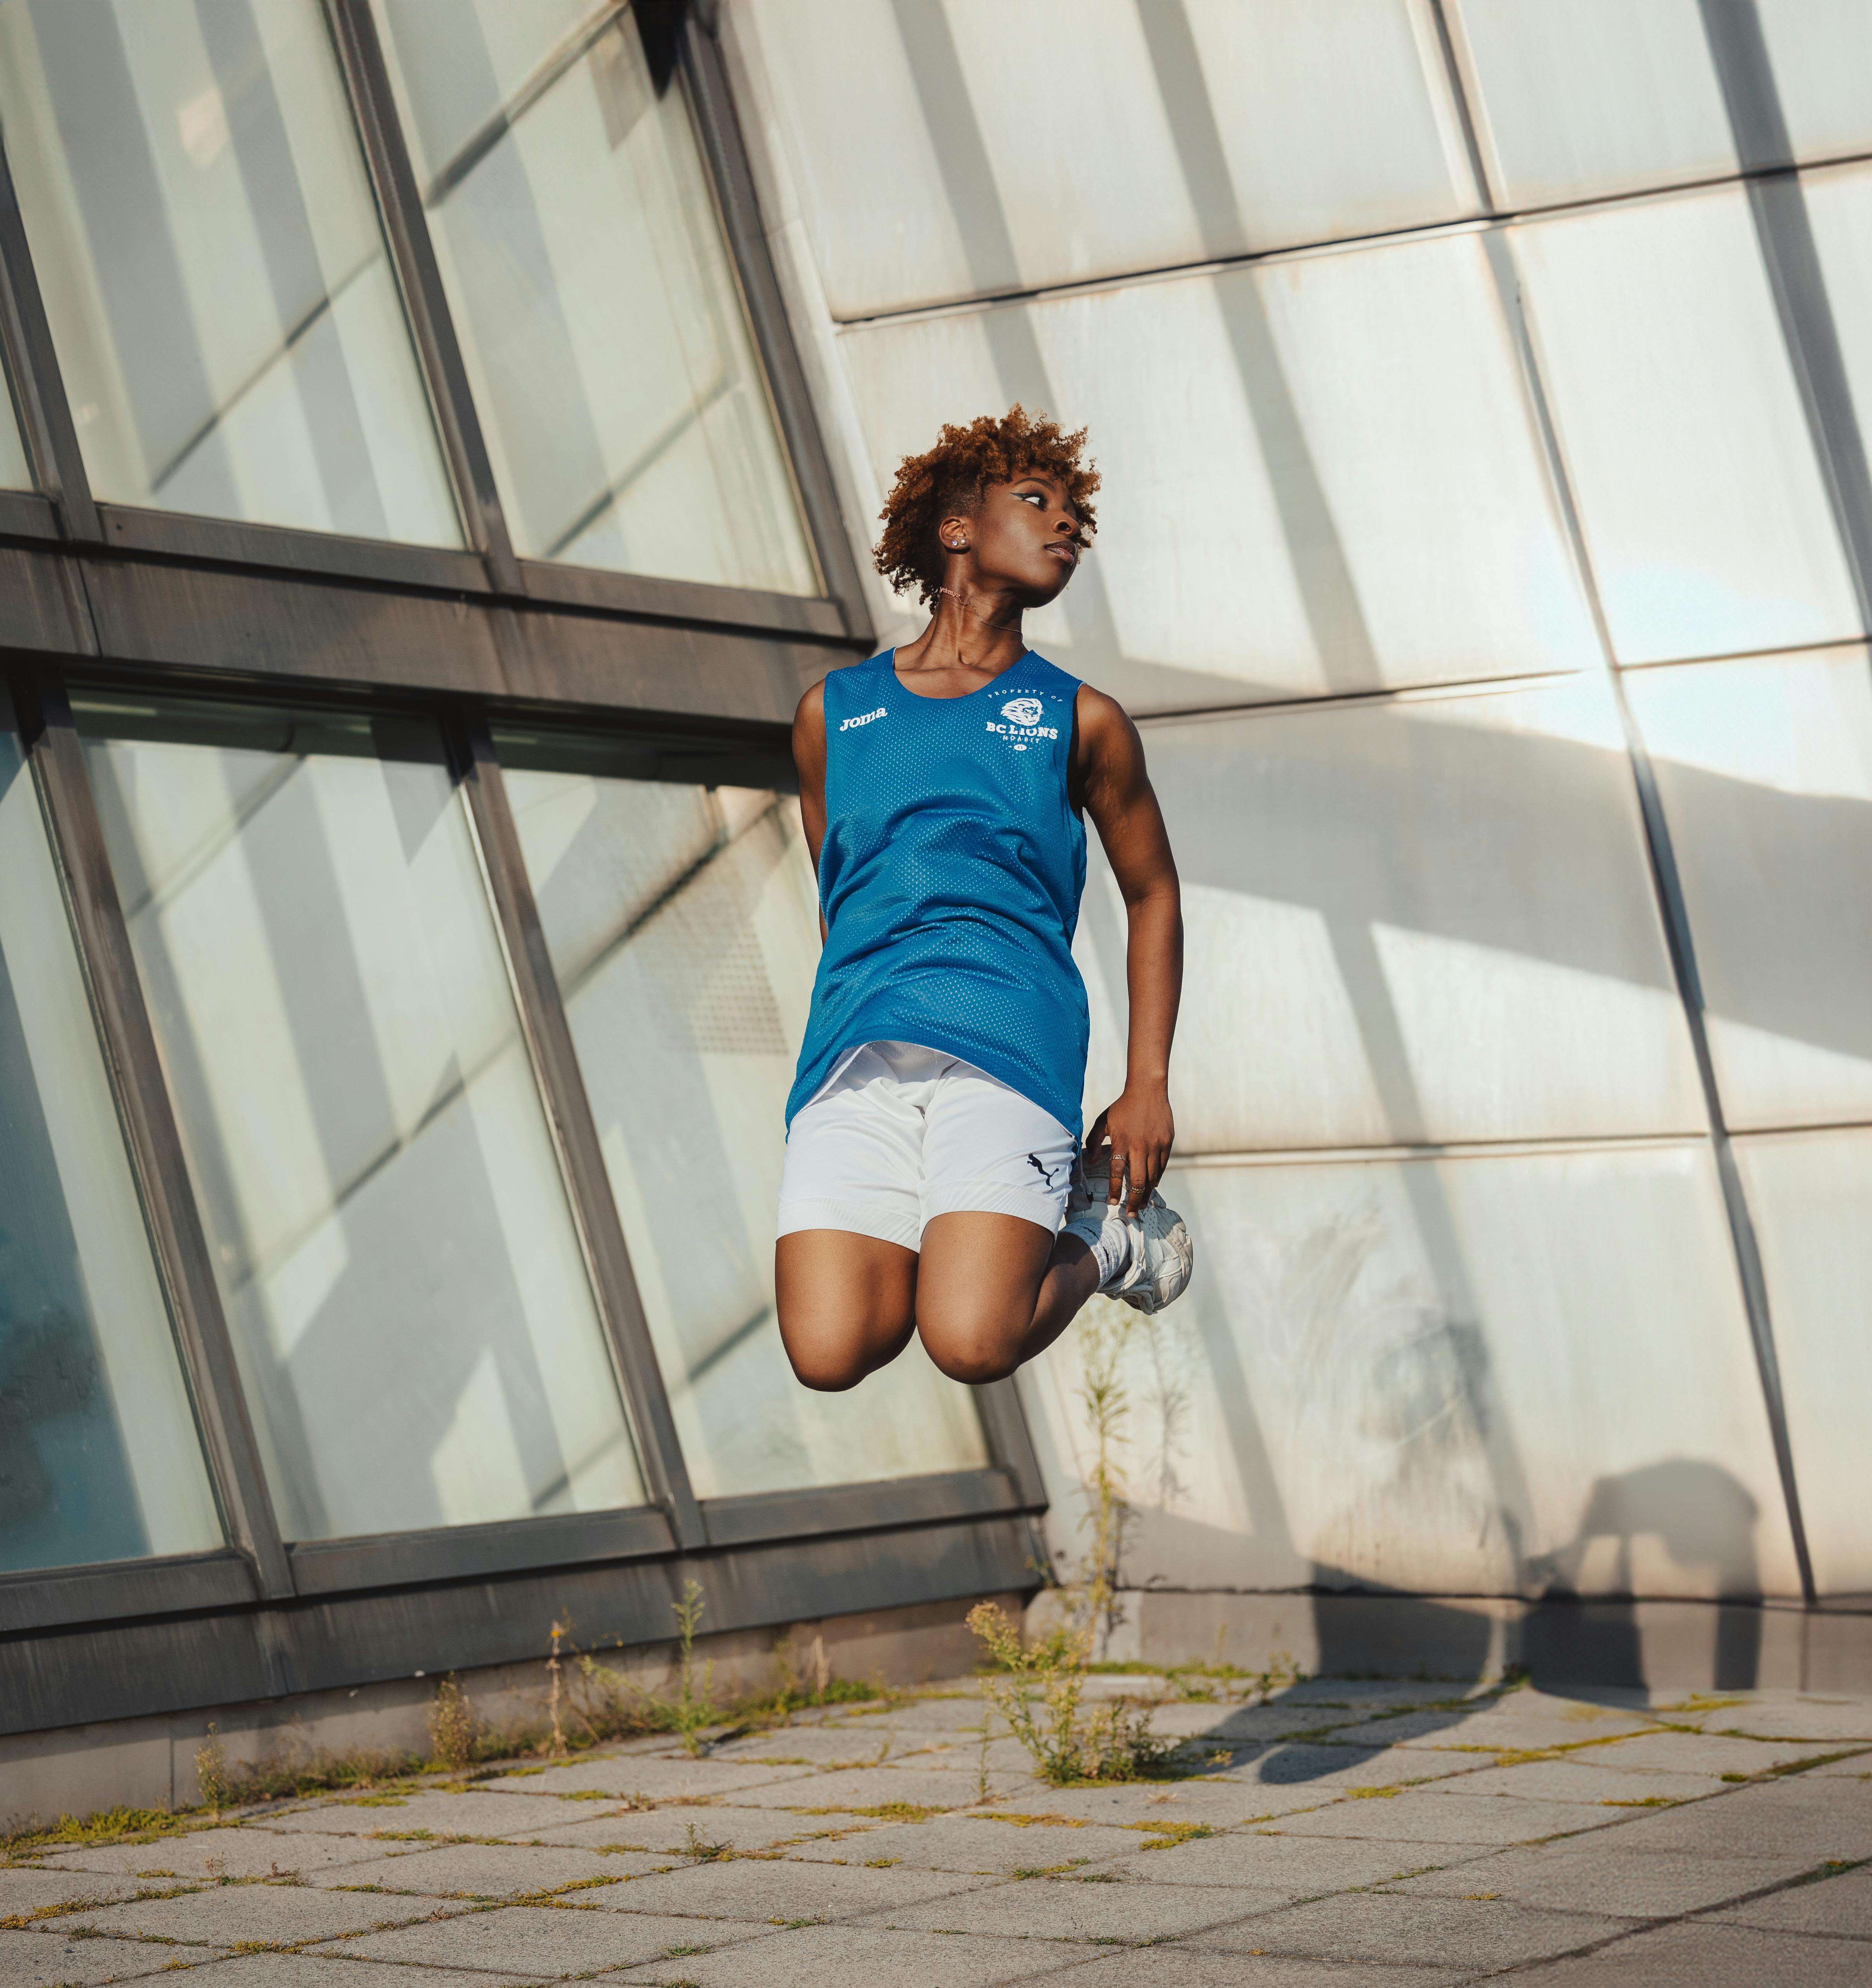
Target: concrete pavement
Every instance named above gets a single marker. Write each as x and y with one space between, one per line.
1345 1835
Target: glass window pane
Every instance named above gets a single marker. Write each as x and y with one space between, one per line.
99 1456
406 1290
1766 770
1508 1374
619 389
16 471
1426 920
1812 1198
1594 96
682 921
1704 510
227 323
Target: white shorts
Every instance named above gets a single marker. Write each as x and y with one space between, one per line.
899 1134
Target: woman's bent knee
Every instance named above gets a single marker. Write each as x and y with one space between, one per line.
975 1353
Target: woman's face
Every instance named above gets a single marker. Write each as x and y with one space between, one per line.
1025 537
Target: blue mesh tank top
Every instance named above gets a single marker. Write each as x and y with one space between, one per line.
950 878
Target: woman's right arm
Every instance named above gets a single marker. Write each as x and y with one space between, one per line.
809 763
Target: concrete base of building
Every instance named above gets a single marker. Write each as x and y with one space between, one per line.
150 1763
1693 1645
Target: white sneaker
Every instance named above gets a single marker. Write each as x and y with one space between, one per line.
1161 1254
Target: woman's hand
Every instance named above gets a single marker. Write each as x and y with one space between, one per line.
1141 1131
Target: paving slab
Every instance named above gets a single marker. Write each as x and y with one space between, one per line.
864 1957
53 1960
246 1852
1840 1905
1383 1927
1700 1955
1300 1867
1186 1967
1426 1815
1584 1778
1599 1876
979 1843
665 1833
1075 1908
317 1970
1219 1800
23 1891
225 1915
540 1942
488 1871
871 1787
1839 1720
1828 1821
496 1813
781 1889
657 1777
1704 1754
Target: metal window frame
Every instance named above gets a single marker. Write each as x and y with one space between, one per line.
151 1139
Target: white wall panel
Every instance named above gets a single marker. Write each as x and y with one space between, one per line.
1765 769
1524 1372
1838 203
1705 516
973 148
1593 96
1319 475
1812 1198
1821 53
1424 920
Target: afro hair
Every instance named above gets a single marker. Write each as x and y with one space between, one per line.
949 479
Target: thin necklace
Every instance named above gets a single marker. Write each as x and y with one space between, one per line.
1003 626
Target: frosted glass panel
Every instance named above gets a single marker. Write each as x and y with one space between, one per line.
683 922
1358 497
1765 769
1706 521
15 471
1428 920
599 313
1246 124
1821 53
227 323
1529 1374
406 1291
1839 203
99 1458
1593 97
1812 1198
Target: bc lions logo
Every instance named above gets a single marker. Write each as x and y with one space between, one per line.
1024 711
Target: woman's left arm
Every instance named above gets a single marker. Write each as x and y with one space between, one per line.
1123 807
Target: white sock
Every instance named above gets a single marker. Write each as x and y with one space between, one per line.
1112 1252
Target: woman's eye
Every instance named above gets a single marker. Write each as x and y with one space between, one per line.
1032 497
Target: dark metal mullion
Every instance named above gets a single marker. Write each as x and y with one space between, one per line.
154 1144
413 256
549 1040
1791 258
1674 913
719 132
1011 1443
32 367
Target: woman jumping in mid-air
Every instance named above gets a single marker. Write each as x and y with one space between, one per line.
933 1147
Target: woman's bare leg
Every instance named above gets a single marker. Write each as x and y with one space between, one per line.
993 1290
847 1304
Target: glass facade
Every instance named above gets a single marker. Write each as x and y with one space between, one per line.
228 323
623 407
98 1457
401 967
398 1265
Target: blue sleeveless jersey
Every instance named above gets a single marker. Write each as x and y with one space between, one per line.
950 878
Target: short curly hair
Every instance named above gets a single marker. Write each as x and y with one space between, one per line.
951 477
